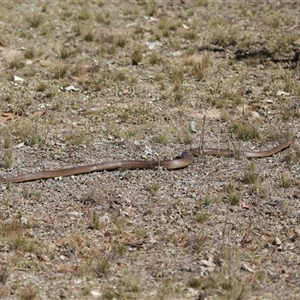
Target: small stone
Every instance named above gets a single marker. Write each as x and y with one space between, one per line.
70 88
148 150
24 221
17 78
45 63
277 241
176 53
244 267
104 219
255 115
282 93
75 213
207 263
95 293
153 45
78 281
193 126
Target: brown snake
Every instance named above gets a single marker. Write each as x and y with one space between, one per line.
182 162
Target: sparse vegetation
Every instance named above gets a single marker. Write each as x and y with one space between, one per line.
83 14
136 56
17 64
201 217
244 131
177 76
7 159
161 139
234 196
31 133
194 282
75 137
95 221
285 180
29 293
34 20
101 268
251 175
29 53
153 188
60 71
32 194
4 274
89 37
84 83
22 244
41 87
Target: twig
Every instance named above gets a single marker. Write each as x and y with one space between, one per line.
202 137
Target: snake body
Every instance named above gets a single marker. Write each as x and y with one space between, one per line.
182 162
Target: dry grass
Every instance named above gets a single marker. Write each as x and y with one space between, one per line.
205 232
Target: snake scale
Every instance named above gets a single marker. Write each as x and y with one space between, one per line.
178 163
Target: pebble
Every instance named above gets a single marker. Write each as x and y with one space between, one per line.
95 293
277 241
244 267
24 221
193 126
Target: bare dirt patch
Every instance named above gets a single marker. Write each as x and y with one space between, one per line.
89 82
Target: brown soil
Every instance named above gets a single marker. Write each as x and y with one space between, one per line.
223 228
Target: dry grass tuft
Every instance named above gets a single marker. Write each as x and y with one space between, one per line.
29 293
244 131
137 56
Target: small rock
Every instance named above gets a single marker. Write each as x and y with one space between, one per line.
70 88
277 241
45 63
104 219
193 126
19 145
78 281
151 19
255 114
153 45
148 150
269 101
244 267
75 213
176 53
282 93
24 221
130 25
207 263
17 78
95 293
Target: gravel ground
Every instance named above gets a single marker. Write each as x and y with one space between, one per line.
223 228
